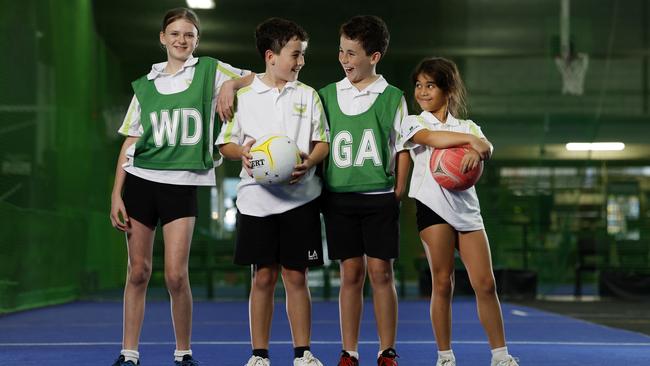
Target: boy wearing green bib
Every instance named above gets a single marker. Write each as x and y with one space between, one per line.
365 178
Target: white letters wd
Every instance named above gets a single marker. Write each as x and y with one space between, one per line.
167 127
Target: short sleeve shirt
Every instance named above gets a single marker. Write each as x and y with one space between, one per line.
460 209
296 112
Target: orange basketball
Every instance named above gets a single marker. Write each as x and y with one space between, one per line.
445 168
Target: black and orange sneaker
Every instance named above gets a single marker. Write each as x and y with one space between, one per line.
347 360
387 358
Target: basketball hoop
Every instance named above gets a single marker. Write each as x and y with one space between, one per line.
572 66
573 70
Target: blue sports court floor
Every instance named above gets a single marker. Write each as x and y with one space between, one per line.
89 333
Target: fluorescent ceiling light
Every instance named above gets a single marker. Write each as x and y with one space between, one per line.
595 146
200 4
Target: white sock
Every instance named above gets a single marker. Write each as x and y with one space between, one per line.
500 354
178 355
448 354
353 354
130 355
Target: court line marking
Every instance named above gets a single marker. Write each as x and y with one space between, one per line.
212 343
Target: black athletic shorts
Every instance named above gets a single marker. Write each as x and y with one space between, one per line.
361 224
291 239
150 202
426 217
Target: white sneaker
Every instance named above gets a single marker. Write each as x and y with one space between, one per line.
509 361
442 361
258 361
307 359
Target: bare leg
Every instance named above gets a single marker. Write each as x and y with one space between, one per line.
178 239
140 250
439 241
260 305
353 275
384 298
298 305
475 253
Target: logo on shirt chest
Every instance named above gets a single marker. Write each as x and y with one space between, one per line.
299 109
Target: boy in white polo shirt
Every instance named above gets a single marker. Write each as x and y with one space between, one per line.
278 227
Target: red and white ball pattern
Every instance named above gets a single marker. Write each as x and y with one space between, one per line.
445 165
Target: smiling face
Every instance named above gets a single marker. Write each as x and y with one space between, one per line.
357 65
429 96
180 38
286 65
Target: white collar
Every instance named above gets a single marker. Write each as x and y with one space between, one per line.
159 68
260 87
451 120
377 87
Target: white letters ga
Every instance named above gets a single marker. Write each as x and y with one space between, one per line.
367 149
166 127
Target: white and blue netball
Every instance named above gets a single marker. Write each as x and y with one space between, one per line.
274 158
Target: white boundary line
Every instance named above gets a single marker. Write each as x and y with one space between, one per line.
90 344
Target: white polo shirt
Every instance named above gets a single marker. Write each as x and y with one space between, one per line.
353 101
169 84
295 111
460 209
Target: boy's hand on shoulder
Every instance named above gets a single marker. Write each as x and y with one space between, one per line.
470 161
482 147
300 169
246 157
